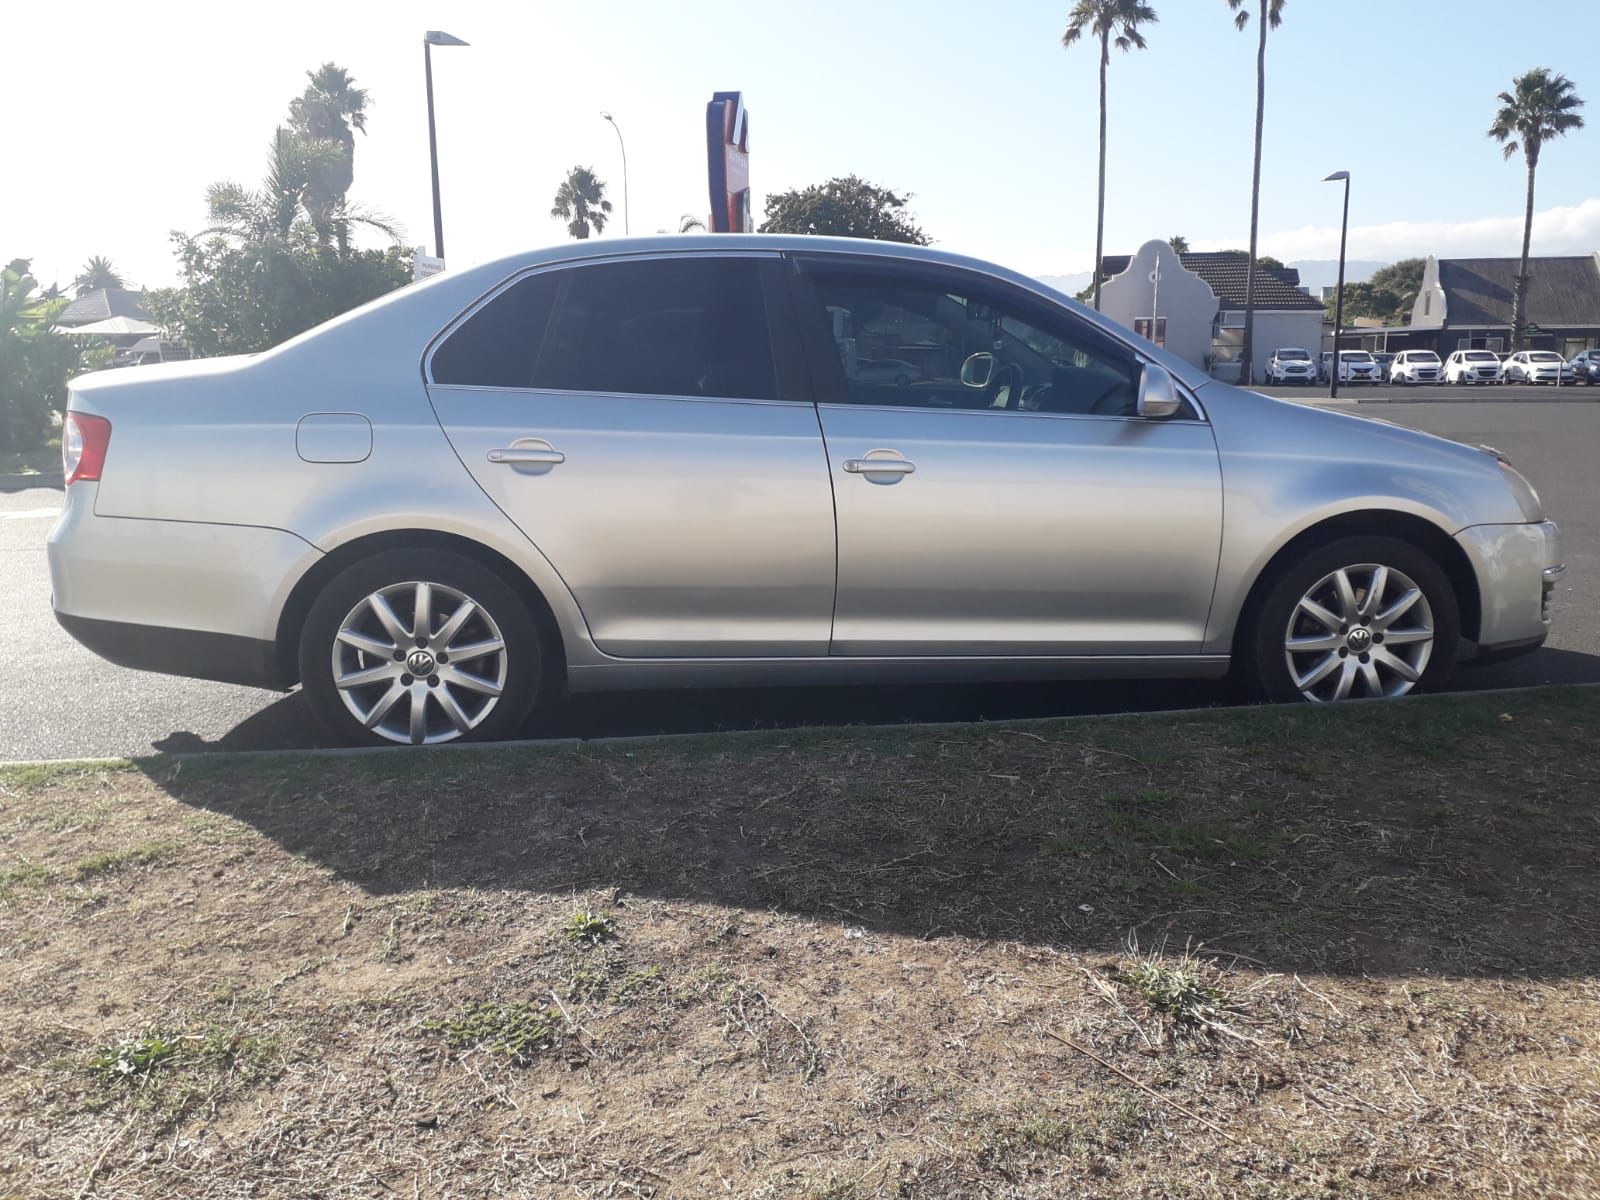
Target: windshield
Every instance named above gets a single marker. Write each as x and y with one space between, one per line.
1295 354
1358 356
1544 356
1480 356
1423 356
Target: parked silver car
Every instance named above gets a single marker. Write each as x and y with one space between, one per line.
647 463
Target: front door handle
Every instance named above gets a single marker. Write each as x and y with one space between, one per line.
527 455
890 464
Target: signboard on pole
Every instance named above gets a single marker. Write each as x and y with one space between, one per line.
423 265
728 163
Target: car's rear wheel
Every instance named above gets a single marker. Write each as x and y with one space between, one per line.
1364 617
419 647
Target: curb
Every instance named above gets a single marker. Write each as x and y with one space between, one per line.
628 739
11 482
1555 398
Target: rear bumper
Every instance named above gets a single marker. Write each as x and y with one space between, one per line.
223 657
183 597
1517 567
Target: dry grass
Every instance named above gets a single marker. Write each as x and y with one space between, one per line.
1255 953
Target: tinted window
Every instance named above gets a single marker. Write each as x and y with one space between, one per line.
666 327
498 344
966 348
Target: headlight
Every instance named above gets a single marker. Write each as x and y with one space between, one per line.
1522 491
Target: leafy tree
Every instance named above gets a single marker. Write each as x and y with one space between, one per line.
1402 280
1270 17
275 259
1539 108
581 202
1267 263
1364 300
35 364
845 206
97 273
1102 19
332 110
1388 296
1179 243
238 297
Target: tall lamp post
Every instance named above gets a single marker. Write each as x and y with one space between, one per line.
1338 302
624 148
429 40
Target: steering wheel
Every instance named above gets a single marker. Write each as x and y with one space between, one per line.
1008 379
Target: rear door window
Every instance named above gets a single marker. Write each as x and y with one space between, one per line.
691 326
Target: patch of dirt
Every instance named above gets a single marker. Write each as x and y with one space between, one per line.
842 964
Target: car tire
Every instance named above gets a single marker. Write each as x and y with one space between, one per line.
1264 647
487 697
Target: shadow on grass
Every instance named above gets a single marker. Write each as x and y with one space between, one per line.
1455 835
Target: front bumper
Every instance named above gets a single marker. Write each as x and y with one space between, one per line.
1517 567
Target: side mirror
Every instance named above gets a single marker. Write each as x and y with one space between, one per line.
1158 394
978 369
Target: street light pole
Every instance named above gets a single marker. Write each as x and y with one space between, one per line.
624 147
429 40
1338 302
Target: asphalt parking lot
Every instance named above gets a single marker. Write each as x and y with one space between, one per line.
57 700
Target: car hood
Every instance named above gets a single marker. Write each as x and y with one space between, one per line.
1361 455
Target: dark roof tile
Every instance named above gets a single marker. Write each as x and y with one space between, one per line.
1561 291
103 304
1226 272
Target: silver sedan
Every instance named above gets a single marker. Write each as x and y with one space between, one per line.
669 462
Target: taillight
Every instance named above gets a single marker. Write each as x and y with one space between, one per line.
84 439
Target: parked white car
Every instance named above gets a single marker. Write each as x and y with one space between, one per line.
1537 366
887 370
1415 366
1355 366
1291 364
1472 366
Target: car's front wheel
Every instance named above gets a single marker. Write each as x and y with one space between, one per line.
419 647
1362 617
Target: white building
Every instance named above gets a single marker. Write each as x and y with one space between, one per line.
1193 305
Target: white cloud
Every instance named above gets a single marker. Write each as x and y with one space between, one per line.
1566 229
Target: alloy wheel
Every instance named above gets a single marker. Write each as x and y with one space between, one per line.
1360 631
419 663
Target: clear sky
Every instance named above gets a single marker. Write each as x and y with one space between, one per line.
121 114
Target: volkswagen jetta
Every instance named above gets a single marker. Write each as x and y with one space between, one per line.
672 462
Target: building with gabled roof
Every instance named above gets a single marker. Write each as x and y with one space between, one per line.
1465 303
1192 303
102 304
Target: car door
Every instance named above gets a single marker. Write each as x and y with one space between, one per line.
1007 502
639 423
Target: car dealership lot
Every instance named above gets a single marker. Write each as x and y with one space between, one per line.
58 700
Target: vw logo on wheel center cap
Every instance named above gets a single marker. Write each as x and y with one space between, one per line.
1360 638
419 662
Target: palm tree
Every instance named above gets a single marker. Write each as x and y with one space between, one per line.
1270 18
581 202
1102 19
331 109
1179 243
286 197
1540 106
688 223
97 273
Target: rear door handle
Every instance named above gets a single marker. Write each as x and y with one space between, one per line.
527 456
879 466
